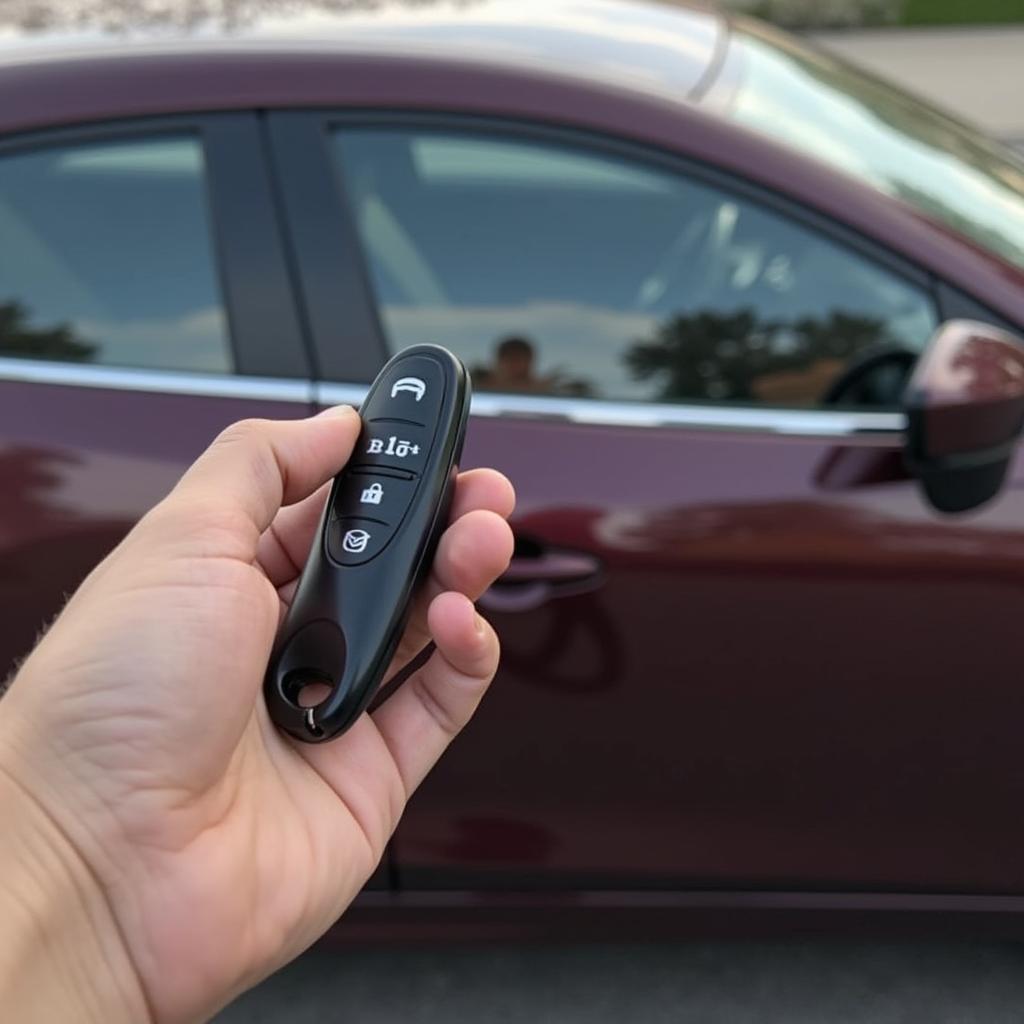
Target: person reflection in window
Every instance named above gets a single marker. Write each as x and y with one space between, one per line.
514 371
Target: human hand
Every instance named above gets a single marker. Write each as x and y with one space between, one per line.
200 848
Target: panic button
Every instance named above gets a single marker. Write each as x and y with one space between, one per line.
394 443
411 390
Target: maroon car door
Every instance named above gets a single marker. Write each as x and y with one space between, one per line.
738 649
144 305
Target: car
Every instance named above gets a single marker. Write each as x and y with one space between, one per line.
748 671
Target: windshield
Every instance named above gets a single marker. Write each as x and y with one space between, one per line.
825 108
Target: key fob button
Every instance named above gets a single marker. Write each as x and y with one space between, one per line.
412 390
373 495
395 444
354 541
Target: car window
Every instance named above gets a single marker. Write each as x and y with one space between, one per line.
106 256
560 271
826 109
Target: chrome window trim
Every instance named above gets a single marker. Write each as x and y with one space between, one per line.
596 412
169 382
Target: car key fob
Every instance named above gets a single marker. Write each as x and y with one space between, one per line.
375 543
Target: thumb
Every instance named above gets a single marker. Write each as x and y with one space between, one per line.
256 466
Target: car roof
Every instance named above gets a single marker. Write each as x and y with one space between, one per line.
667 48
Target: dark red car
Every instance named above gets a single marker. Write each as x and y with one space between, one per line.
689 262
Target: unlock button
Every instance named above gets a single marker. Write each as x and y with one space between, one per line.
370 495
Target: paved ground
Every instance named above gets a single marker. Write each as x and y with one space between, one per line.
976 73
702 984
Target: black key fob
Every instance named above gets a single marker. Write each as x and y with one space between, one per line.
375 543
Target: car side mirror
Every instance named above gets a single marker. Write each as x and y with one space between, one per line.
965 411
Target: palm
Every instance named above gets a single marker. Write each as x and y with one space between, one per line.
234 851
226 848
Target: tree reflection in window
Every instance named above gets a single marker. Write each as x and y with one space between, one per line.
739 356
18 338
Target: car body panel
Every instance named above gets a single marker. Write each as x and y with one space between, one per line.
792 674
76 480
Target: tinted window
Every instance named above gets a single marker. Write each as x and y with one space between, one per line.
559 271
106 257
825 108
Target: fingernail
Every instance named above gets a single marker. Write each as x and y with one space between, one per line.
479 625
336 410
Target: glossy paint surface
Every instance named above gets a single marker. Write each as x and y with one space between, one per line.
79 467
733 659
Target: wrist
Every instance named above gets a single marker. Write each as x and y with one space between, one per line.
62 956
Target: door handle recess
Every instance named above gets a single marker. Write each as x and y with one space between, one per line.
533 579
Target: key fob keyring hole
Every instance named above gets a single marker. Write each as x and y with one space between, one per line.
306 687
310 665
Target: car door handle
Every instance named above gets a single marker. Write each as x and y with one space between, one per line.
540 575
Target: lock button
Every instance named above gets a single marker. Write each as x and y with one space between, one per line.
370 495
373 494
